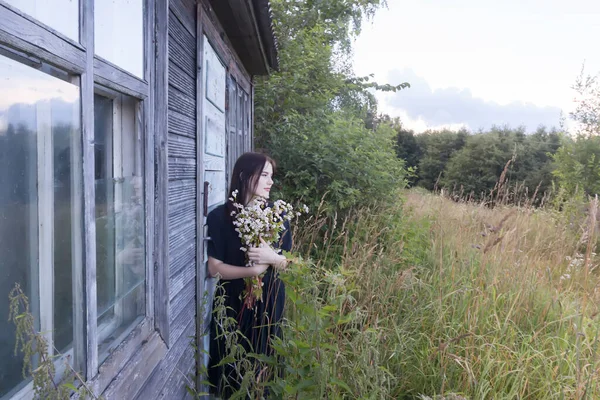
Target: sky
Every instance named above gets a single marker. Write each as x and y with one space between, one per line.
478 63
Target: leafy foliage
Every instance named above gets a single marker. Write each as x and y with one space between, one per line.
315 117
578 160
479 164
39 364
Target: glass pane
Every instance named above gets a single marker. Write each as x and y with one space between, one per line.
119 33
120 218
62 15
39 130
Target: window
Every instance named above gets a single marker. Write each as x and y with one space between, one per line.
73 228
40 198
120 229
119 33
62 15
238 120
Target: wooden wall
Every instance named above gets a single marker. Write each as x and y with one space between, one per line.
179 164
169 379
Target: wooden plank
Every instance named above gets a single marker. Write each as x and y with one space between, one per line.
182 147
185 298
111 76
215 79
165 368
183 258
180 124
140 367
161 243
186 274
181 168
200 221
181 102
216 188
121 355
213 29
181 377
179 56
181 191
181 238
180 215
214 127
186 13
213 163
149 178
28 36
180 323
89 192
181 80
182 36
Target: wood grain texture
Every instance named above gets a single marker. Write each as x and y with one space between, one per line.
185 298
213 30
183 258
161 242
181 215
182 376
185 11
115 78
24 34
139 368
181 102
157 380
186 272
89 192
181 191
121 355
148 109
182 36
181 168
182 147
181 80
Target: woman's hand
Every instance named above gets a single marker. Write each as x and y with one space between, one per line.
260 268
266 255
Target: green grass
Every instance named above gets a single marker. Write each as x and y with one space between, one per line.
433 297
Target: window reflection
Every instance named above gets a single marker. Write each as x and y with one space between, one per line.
120 221
119 33
39 227
62 15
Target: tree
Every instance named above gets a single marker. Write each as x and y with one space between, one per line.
313 114
577 162
437 148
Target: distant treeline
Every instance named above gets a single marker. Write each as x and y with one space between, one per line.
470 165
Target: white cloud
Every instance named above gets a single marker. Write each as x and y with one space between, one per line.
508 52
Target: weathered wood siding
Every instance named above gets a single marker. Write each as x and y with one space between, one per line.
204 137
175 371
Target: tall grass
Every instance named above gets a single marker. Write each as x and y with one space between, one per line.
434 297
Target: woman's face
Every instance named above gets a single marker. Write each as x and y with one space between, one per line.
265 181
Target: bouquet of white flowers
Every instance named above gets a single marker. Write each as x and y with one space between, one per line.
255 223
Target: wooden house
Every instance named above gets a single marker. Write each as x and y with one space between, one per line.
120 121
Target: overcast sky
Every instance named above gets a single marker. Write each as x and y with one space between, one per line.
476 63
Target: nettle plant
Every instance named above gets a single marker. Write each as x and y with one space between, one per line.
38 364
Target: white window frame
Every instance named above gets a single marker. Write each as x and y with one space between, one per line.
77 58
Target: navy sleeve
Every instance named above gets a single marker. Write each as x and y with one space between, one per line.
286 238
216 244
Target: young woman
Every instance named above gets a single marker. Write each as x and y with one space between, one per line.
252 177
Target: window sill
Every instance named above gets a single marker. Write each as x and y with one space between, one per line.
130 363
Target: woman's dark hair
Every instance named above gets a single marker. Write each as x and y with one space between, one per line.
244 177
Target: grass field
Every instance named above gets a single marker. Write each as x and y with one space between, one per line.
436 298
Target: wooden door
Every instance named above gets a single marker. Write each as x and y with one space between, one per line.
212 169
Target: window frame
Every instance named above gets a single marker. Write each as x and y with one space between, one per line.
28 39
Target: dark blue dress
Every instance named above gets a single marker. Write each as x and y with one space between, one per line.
258 325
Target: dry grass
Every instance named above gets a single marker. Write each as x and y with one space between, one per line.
444 298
